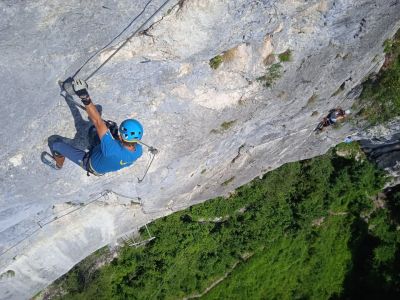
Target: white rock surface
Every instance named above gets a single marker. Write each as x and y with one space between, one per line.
163 78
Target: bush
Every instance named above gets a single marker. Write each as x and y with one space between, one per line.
267 232
273 73
285 56
216 61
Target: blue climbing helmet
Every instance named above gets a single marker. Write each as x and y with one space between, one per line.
131 130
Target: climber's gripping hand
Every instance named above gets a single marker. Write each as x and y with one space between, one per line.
80 88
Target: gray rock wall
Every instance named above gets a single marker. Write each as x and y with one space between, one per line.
215 129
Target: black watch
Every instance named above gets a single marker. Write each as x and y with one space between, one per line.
86 100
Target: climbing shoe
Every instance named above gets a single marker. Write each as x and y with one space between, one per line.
59 160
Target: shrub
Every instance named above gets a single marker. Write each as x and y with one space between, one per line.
272 219
285 56
273 73
216 61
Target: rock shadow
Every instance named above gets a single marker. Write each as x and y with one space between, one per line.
385 153
85 136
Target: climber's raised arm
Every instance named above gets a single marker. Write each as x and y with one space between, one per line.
80 88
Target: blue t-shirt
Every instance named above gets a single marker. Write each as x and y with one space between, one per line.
110 155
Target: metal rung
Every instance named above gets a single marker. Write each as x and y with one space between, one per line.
131 241
141 243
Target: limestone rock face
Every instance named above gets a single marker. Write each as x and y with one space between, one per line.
216 129
382 145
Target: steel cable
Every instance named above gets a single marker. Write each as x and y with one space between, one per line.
126 41
109 43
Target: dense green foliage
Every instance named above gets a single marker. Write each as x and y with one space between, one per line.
295 233
350 150
376 250
381 95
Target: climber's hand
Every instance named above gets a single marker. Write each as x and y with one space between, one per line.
80 88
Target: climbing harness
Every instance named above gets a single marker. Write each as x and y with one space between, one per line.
68 88
67 84
88 166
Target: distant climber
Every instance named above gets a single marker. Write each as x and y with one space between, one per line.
110 150
333 117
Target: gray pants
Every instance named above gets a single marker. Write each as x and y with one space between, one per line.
73 154
76 155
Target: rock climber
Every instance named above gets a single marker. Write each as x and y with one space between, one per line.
108 154
333 117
